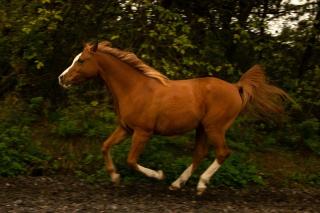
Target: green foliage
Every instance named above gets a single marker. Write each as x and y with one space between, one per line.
91 118
309 131
38 39
237 171
240 137
91 168
310 179
172 156
19 154
304 135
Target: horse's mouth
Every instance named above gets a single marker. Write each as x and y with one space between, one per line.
66 86
63 84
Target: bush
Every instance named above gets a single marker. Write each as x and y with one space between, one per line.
309 131
84 118
18 153
173 156
303 135
310 179
237 172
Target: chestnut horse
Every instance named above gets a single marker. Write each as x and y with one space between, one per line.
147 103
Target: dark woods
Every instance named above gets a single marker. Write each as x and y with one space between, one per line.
181 39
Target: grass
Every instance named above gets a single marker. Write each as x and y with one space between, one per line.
284 168
258 158
275 166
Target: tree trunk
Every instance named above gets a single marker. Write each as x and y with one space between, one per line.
310 44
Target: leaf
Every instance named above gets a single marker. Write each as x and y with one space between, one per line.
88 7
114 37
39 64
201 20
26 30
94 103
45 1
58 17
236 36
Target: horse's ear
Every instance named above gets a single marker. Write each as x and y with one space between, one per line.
84 44
94 47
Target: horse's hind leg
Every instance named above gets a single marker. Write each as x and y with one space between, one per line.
217 137
139 139
115 138
200 152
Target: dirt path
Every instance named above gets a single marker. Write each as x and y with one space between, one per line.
67 194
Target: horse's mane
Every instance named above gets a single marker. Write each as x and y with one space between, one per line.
131 59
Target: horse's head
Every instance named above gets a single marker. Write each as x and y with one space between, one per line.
83 67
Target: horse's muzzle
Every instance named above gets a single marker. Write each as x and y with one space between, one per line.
62 83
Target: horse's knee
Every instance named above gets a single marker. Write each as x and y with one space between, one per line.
105 148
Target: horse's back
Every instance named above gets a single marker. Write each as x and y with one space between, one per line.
208 89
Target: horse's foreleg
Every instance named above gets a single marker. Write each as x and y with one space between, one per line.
115 138
201 150
222 152
139 139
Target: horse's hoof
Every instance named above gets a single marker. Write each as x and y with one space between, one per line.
173 188
115 178
200 191
161 175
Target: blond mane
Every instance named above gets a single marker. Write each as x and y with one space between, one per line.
131 59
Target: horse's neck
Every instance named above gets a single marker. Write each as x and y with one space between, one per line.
120 78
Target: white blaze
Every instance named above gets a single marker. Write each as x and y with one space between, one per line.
64 72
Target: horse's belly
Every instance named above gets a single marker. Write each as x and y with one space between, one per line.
172 123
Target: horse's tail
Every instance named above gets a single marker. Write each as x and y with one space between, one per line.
258 96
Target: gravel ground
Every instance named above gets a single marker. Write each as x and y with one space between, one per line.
68 194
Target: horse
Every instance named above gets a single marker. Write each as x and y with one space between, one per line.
147 103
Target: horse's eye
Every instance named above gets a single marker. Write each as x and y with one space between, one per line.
80 61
